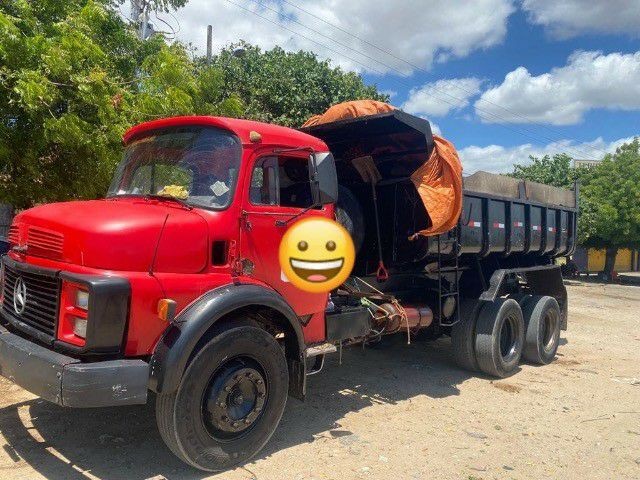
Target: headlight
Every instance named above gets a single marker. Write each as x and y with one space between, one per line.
73 315
82 299
80 327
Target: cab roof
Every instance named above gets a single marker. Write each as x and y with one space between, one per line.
271 134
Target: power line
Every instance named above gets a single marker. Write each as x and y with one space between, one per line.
368 67
417 67
173 31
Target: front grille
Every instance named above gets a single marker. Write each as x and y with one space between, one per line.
41 306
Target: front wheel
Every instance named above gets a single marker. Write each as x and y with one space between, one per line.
229 402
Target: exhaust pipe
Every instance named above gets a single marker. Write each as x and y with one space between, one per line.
390 317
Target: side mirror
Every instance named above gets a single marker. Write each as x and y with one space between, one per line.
324 178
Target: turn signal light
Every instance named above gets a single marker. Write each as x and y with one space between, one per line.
167 309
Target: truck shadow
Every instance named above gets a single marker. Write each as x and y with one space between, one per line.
123 443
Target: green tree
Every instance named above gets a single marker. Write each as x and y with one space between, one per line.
556 170
610 203
73 78
169 85
287 88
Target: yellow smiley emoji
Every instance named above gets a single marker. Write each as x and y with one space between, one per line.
317 255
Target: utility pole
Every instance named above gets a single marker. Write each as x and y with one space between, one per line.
209 43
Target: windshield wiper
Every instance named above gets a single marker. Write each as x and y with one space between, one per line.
151 196
169 198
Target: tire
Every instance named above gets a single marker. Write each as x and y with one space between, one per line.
349 214
229 402
499 337
542 329
165 405
463 335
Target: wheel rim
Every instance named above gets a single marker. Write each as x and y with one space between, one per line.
549 324
234 399
509 338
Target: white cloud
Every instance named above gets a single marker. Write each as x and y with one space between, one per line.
568 18
499 159
562 96
439 98
409 30
435 128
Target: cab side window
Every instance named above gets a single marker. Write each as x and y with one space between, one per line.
294 182
282 181
264 182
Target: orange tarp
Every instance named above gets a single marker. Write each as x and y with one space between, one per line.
439 184
355 109
438 180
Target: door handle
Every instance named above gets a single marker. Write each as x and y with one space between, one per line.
244 221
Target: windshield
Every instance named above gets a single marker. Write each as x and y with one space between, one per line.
198 165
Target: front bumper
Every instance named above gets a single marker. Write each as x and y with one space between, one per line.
69 382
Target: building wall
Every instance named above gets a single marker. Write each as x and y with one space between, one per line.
624 260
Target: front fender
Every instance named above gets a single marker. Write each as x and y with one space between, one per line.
178 342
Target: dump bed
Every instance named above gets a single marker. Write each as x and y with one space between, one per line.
509 216
501 215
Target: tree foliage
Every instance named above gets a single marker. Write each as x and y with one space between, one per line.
611 200
554 170
609 215
287 88
73 78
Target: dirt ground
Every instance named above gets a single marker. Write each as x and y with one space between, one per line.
401 412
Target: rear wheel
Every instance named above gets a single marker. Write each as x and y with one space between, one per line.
463 335
542 323
499 337
229 402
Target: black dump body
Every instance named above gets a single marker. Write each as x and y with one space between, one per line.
505 221
508 216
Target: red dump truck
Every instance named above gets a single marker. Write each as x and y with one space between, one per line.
171 284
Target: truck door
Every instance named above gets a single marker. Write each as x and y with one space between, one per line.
278 188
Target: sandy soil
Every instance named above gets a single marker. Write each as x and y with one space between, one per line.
400 412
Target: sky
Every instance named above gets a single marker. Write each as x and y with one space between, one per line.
501 79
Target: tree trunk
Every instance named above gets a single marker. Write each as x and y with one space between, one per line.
6 216
610 262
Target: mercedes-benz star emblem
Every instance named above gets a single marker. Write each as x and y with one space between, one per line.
20 296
